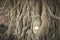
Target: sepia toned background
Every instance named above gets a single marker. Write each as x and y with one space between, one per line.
29 19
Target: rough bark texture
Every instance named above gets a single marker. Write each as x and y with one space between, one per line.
30 20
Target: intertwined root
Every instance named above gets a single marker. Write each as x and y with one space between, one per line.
25 20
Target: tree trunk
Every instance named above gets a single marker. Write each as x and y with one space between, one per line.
31 20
